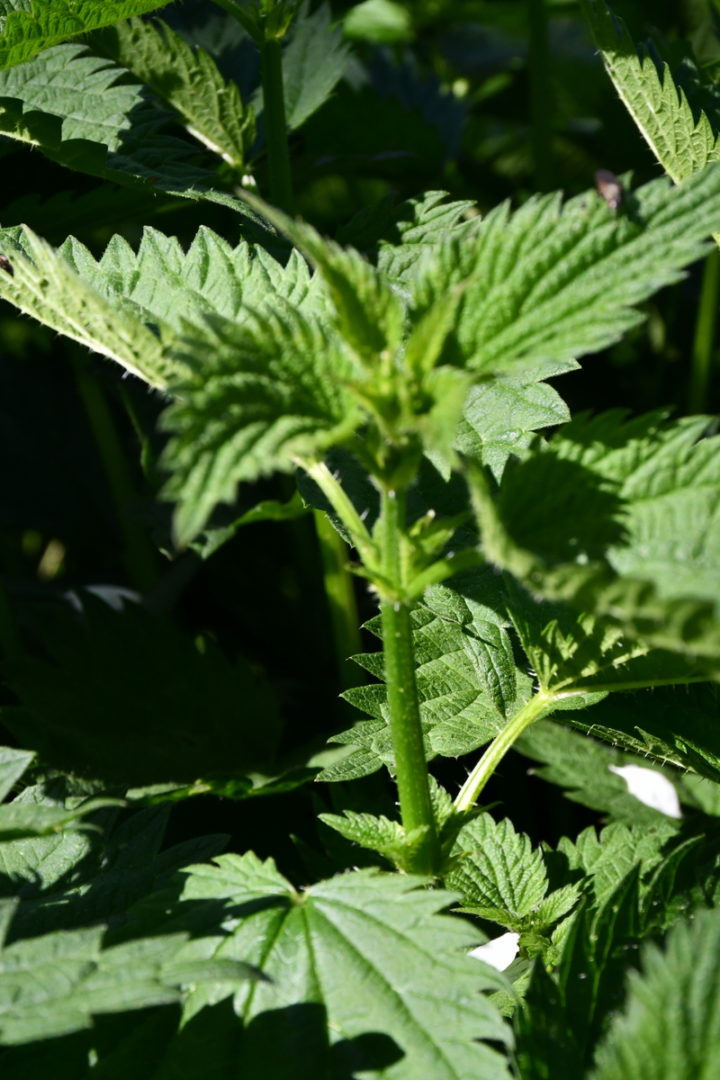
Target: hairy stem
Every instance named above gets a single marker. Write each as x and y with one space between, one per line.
404 709
343 507
532 710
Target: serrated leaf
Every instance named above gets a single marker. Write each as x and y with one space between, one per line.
552 281
26 31
43 861
73 879
563 1014
378 833
370 316
583 767
388 837
171 286
681 140
118 304
43 284
680 728
672 1014
500 876
189 81
54 984
467 684
501 415
608 857
252 398
630 538
70 105
353 956
213 539
401 235
556 904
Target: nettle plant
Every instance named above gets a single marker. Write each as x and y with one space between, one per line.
527 565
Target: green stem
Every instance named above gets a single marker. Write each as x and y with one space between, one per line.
536 707
343 507
280 177
540 94
138 554
403 706
705 331
340 597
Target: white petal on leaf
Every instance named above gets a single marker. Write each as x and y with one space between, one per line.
650 787
498 953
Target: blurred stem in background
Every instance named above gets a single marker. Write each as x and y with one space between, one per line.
541 98
139 555
338 583
703 353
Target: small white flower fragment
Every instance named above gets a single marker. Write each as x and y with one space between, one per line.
651 788
498 953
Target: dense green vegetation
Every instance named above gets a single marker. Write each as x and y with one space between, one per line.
360 596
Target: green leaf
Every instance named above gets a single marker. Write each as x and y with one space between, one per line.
500 417
314 61
379 834
13 763
166 285
45 285
266 510
71 106
392 841
679 728
564 1013
72 879
672 1014
682 140
117 304
253 397
18 821
189 81
609 857
418 227
354 962
552 281
403 235
467 685
582 765
370 316
54 984
25 31
500 876
630 537
381 21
